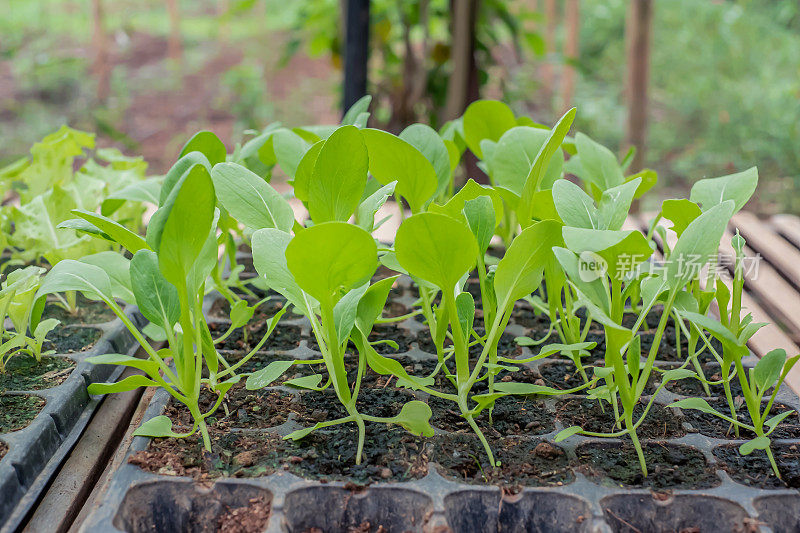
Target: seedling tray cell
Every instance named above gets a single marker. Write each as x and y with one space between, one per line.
36 451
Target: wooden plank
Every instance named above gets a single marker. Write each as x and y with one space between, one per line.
788 226
784 256
775 293
95 498
76 479
764 340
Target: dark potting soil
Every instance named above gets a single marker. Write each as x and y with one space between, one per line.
241 408
390 454
563 375
283 338
755 470
693 387
71 339
525 316
660 422
88 312
25 373
251 518
17 411
394 308
713 426
510 416
324 405
668 466
3 450
523 462
232 455
390 332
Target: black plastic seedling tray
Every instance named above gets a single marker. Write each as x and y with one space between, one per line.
36 451
138 500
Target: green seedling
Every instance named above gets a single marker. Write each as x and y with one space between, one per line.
325 271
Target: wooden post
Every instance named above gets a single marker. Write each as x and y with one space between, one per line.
356 52
637 37
547 74
102 64
571 51
174 46
462 56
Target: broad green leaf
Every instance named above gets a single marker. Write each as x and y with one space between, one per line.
269 258
186 226
712 325
567 433
769 368
620 252
415 418
471 190
758 443
697 404
370 306
697 244
737 187
289 148
158 426
388 366
365 214
144 191
543 207
156 297
361 106
480 217
612 210
430 144
178 170
330 257
119 233
519 272
265 376
574 207
208 144
249 199
339 176
649 179
436 248
514 156
306 382
533 182
146 365
393 159
241 313
344 312
69 275
676 374
593 289
486 119
465 308
681 213
129 383
305 169
118 269
773 421
598 164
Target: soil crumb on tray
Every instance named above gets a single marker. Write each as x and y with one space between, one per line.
25 373
232 455
71 339
87 312
523 462
3 449
669 466
251 518
18 411
755 470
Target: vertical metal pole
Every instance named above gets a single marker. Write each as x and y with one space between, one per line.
356 51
